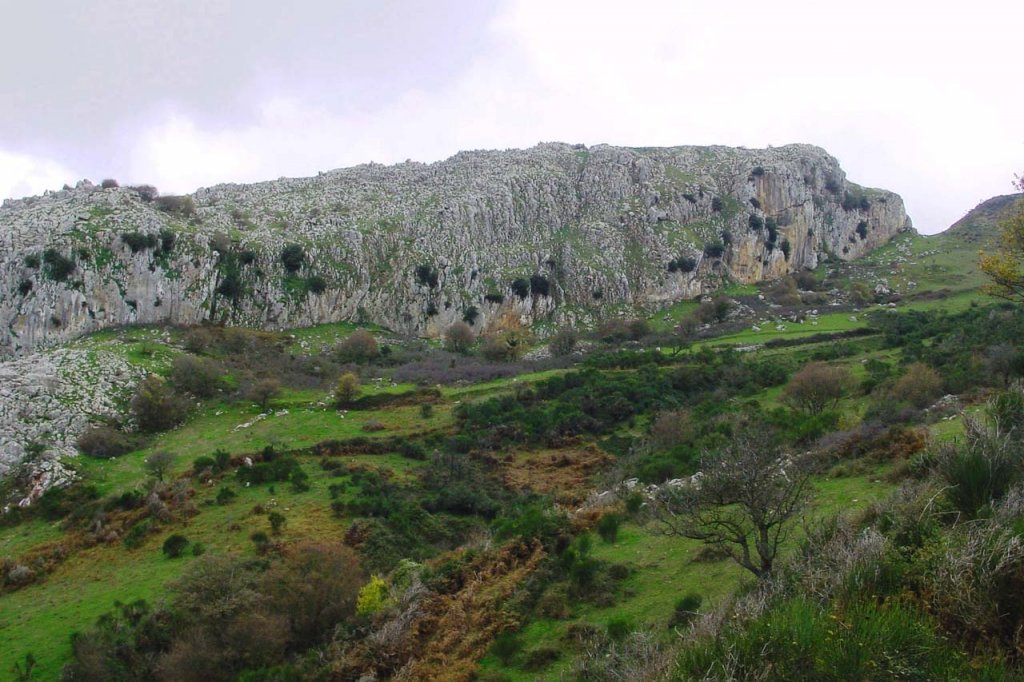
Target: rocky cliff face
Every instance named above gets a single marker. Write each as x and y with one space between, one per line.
557 233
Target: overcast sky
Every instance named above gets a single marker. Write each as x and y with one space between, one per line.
922 98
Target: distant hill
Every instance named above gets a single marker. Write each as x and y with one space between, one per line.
981 223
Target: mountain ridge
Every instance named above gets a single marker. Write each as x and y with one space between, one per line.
416 247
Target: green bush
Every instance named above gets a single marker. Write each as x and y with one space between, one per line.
292 256
686 609
608 527
225 495
427 275
137 241
506 647
174 546
978 472
58 266
798 641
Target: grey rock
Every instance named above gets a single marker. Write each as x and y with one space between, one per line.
600 224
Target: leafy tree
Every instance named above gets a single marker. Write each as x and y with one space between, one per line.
347 389
1005 267
744 502
263 391
817 387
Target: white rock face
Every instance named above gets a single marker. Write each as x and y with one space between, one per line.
46 401
600 225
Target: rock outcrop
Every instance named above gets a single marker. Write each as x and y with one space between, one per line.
554 233
46 400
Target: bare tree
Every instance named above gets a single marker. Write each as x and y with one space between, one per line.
742 502
263 391
158 464
459 338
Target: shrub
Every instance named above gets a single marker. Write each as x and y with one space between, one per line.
920 385
182 206
277 521
799 640
608 527
539 285
494 297
359 347
316 284
716 204
225 495
201 377
168 239
495 349
459 338
292 256
138 241
618 628
413 451
817 387
31 261
105 442
427 275
683 264
146 193
156 407
714 249
426 411
756 222
540 658
201 464
373 597
686 609
347 389
58 267
862 229
470 315
174 546
563 342
506 647
521 287
109 183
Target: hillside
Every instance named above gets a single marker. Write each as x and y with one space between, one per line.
491 511
556 234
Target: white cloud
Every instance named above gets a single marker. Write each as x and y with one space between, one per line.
911 98
24 175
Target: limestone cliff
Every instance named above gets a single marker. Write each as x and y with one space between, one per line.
555 233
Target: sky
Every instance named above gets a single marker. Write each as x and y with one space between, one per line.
921 98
